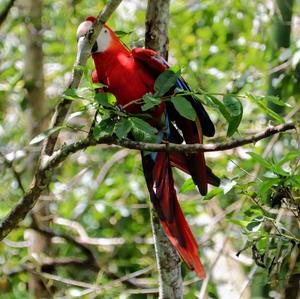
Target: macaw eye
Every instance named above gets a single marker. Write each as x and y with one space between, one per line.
105 30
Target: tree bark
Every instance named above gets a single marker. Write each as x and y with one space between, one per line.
168 261
35 98
157 18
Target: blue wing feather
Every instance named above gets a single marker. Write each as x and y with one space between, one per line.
157 65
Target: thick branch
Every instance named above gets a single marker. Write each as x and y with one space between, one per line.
43 175
65 151
63 107
168 261
156 35
194 148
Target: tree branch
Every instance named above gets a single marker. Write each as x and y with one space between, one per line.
90 261
194 148
167 258
91 258
65 151
44 173
16 174
4 13
63 107
42 176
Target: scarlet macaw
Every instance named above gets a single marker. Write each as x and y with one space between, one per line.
129 75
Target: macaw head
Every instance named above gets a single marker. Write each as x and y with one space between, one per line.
105 40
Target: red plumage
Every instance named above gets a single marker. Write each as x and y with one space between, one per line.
129 75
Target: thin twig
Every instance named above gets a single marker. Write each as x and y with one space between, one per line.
249 278
120 155
49 262
9 164
208 274
85 249
84 239
91 260
91 287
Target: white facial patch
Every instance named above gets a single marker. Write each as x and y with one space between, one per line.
103 40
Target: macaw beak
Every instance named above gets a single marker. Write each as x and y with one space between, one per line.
80 47
95 48
82 30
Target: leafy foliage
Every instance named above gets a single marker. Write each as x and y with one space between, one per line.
165 81
184 107
225 55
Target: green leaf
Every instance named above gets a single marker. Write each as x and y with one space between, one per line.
122 128
150 102
216 103
121 34
165 81
261 160
112 100
231 109
267 184
106 99
259 101
241 223
234 113
277 169
188 185
252 225
44 135
184 107
71 94
211 194
294 180
275 100
253 211
288 157
99 85
104 128
142 131
233 105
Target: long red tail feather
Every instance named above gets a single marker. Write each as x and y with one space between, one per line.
160 182
179 161
189 249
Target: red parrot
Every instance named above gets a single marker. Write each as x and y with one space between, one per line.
129 75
